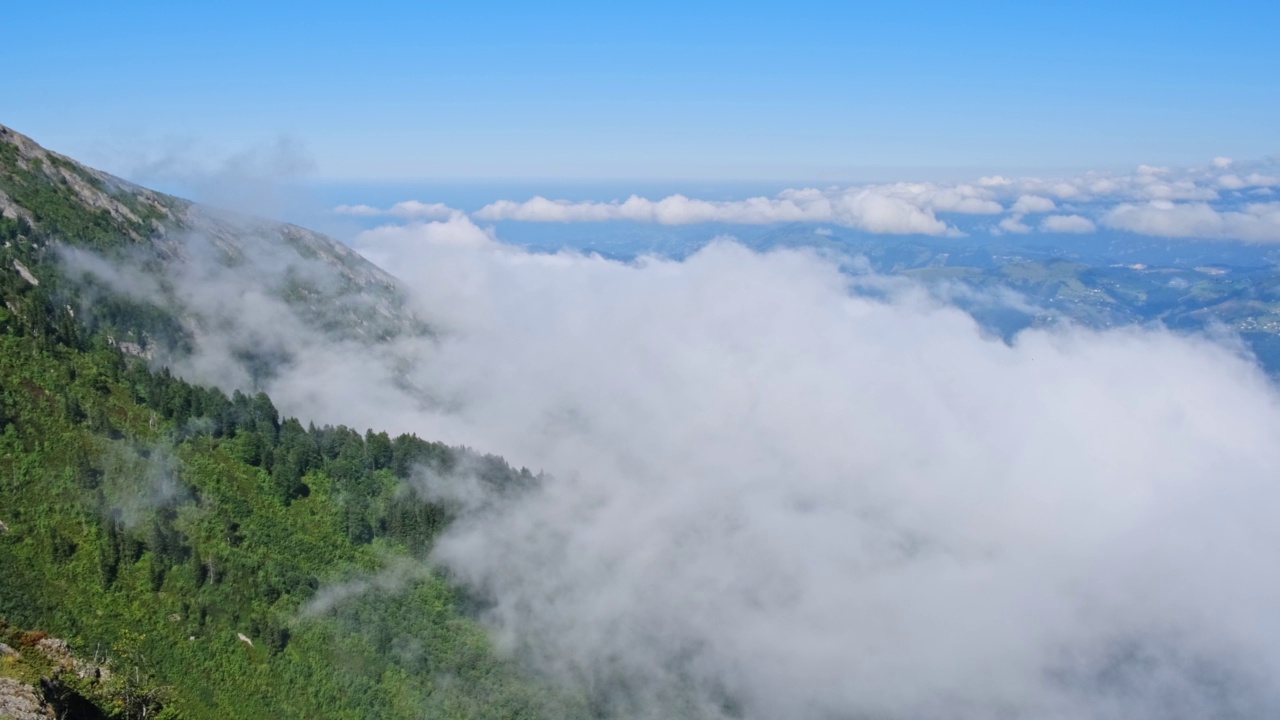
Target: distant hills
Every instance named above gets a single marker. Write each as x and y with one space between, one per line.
1103 280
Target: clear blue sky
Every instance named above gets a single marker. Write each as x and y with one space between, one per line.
734 91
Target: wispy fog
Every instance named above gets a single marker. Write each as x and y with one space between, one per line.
768 496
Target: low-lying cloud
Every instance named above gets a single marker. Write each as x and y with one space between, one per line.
1217 201
1067 224
406 210
895 209
1258 222
1027 204
772 498
772 495
871 209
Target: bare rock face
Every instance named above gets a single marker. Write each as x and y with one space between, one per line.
51 696
55 649
21 702
25 273
91 188
10 209
172 241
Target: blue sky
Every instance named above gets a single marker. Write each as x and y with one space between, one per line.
589 91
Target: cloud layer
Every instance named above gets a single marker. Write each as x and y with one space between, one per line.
1071 224
1224 200
898 209
1255 221
771 494
407 210
771 497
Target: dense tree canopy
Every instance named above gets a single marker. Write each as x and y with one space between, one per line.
201 542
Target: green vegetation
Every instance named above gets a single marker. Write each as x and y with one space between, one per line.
156 521
44 193
233 563
71 686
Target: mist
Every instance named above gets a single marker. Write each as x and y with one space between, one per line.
776 489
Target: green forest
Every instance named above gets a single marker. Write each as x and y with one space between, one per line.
180 538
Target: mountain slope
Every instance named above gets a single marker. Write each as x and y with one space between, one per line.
161 240
242 563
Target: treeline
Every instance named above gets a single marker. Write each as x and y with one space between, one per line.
359 467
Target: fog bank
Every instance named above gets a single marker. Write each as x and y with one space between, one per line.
776 490
770 497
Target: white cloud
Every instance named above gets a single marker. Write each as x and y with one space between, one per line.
408 210
827 506
672 210
383 245
1147 183
769 492
359 210
1027 204
1014 224
1222 162
895 211
915 208
967 199
1067 224
412 209
1178 190
1258 222
1230 181
876 212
